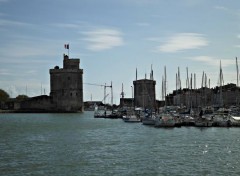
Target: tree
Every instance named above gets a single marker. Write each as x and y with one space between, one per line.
3 95
22 97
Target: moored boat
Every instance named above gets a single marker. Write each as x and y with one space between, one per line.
203 123
149 118
165 120
131 118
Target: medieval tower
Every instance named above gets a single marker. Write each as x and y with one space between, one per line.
66 86
144 92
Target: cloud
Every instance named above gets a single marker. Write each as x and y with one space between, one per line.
12 23
66 25
229 11
213 61
5 72
102 39
29 51
25 49
72 25
221 8
183 41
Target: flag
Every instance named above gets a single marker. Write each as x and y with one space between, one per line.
66 46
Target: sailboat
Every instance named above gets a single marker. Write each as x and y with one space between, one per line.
131 116
221 117
165 119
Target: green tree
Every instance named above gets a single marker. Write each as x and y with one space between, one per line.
22 97
3 95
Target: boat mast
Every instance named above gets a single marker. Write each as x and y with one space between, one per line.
221 81
111 94
162 88
237 101
165 86
237 71
179 86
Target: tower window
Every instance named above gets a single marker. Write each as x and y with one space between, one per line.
70 94
69 78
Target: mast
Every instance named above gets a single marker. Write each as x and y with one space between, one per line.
194 80
104 101
162 88
221 77
202 79
196 103
202 94
179 79
176 91
165 86
237 71
191 92
179 86
187 82
237 101
111 94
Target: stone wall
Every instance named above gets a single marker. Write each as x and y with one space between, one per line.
39 103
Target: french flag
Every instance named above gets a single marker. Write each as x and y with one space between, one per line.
66 46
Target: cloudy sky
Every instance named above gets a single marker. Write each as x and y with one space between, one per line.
113 38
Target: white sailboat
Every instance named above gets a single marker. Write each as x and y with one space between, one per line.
221 117
165 119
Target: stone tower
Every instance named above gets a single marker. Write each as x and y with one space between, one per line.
66 86
144 93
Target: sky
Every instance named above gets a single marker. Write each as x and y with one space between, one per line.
114 38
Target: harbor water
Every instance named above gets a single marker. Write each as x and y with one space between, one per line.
79 144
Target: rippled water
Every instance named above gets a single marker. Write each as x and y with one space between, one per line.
78 144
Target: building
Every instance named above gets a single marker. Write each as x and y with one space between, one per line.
66 90
66 86
144 93
228 95
126 102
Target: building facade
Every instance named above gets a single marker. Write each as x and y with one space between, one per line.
144 93
66 86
